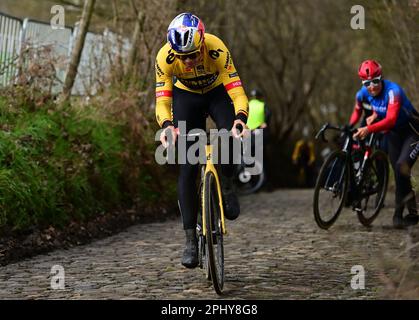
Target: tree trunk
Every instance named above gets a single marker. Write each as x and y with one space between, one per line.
115 14
134 44
77 49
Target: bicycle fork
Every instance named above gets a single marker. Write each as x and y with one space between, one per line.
211 168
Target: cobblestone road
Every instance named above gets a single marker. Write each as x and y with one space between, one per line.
273 251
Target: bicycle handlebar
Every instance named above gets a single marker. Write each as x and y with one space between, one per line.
345 129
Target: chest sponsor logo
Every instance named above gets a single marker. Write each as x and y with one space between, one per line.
200 82
380 108
200 69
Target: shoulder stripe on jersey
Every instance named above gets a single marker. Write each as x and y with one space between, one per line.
391 96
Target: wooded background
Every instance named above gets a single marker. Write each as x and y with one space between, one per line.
303 55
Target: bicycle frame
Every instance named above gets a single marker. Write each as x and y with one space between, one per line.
366 147
355 180
209 166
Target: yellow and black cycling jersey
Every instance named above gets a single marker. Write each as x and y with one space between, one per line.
215 68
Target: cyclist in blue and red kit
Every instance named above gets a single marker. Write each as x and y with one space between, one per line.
399 120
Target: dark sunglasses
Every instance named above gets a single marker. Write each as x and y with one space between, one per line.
375 82
191 56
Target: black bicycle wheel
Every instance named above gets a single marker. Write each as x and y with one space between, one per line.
330 190
373 187
247 182
214 235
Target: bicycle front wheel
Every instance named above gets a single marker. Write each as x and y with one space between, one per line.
373 187
330 190
214 234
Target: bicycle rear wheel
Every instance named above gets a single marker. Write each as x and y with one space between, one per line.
331 189
214 235
373 188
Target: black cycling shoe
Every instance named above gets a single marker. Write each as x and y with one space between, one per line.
190 254
230 200
398 222
410 220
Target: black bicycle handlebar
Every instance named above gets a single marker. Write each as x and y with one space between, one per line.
347 129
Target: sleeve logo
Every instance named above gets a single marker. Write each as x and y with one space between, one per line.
233 85
159 70
228 61
215 54
163 93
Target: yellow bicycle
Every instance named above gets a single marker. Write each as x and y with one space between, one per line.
211 226
211 223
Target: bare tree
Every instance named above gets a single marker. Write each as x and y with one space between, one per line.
288 51
403 17
115 14
136 36
77 49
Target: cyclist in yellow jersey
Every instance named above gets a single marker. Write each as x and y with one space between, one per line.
304 158
196 77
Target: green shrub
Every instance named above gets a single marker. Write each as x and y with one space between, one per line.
63 164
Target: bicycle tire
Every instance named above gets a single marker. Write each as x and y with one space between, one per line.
202 251
214 235
382 159
254 184
331 169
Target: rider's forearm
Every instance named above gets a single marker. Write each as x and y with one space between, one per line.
163 112
356 115
390 120
239 98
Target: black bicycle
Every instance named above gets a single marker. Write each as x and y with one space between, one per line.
249 175
357 175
